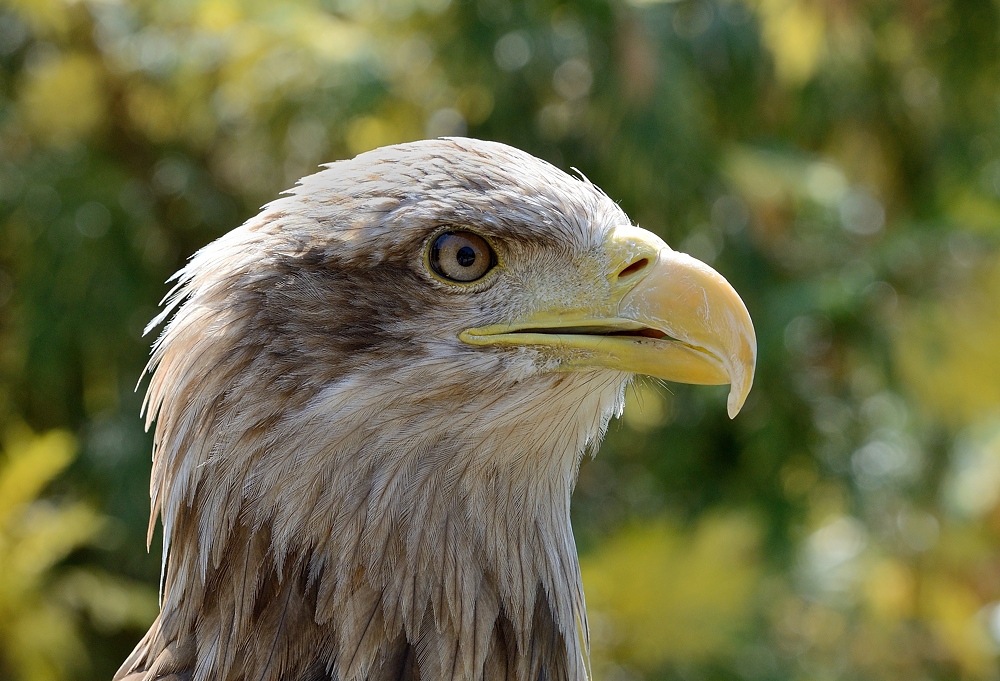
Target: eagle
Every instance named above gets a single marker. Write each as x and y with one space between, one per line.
371 402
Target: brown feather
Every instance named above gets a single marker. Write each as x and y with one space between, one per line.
347 491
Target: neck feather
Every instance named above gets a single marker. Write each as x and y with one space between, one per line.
375 537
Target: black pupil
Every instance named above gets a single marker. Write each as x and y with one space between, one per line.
465 256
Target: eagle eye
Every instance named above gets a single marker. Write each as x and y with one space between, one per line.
461 257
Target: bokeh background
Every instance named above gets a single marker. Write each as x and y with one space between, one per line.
838 161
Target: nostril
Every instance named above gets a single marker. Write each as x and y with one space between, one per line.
635 267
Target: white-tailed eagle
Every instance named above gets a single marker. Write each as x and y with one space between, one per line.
371 402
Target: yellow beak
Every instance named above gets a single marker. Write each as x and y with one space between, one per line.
657 312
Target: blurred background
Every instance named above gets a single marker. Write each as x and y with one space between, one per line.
838 161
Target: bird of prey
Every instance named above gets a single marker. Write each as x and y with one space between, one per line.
371 403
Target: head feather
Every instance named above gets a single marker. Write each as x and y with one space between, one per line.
341 482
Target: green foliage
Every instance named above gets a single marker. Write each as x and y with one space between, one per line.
40 597
659 595
838 162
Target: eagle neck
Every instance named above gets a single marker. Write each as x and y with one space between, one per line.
325 542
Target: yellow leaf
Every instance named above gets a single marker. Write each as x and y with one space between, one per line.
951 607
43 645
975 210
218 15
659 593
890 589
948 351
44 17
39 602
61 100
112 603
795 32
31 463
153 111
49 533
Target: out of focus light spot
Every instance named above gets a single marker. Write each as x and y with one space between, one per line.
569 39
156 52
831 415
825 183
307 138
992 616
701 246
829 553
884 297
845 288
866 380
886 460
890 588
44 17
951 607
218 15
964 249
972 487
861 213
896 41
808 335
691 19
512 51
136 200
572 79
730 213
151 111
62 100
231 103
762 175
171 175
885 410
277 70
476 103
445 122
553 121
975 209
93 219
646 408
798 477
332 38
13 34
919 530
989 178
368 132
920 88
413 56
794 30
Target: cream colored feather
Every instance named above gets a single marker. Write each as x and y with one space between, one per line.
347 491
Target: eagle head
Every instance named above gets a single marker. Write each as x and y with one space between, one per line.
371 401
